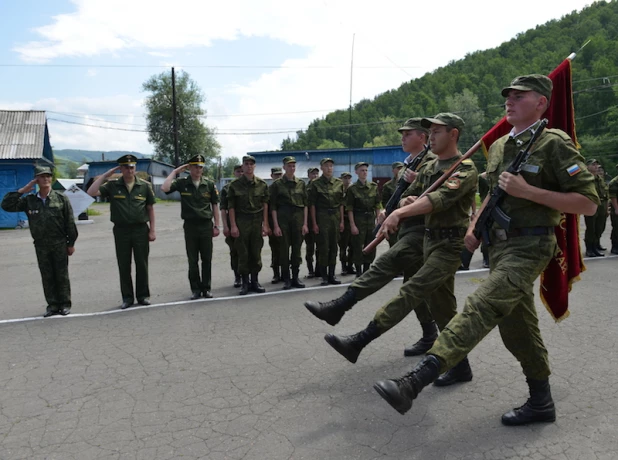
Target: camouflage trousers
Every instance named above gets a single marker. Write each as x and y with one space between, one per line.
54 266
506 300
289 243
233 254
310 246
249 243
198 243
132 242
328 238
365 222
595 225
433 283
406 256
345 246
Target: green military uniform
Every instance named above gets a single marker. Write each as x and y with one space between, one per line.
248 198
345 237
310 239
53 229
613 193
327 196
289 199
196 203
363 200
518 257
229 240
130 217
273 241
388 189
601 214
593 222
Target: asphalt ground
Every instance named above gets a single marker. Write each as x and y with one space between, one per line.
252 378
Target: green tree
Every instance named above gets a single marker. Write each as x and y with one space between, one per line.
193 136
330 144
71 169
228 166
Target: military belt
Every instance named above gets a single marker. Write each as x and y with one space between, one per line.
330 211
499 234
289 208
445 233
362 211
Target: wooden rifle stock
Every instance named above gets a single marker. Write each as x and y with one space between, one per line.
380 237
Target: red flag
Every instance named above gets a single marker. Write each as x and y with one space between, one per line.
564 269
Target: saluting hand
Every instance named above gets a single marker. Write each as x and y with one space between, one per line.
115 169
28 187
180 169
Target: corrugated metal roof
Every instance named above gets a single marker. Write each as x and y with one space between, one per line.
22 134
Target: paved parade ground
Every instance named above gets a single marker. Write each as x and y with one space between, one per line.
252 378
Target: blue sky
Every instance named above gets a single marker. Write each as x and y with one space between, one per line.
310 42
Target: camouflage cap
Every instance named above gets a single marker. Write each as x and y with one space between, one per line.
314 169
197 160
446 119
127 160
535 82
276 170
413 123
359 164
345 174
397 165
325 160
287 160
40 170
248 158
592 161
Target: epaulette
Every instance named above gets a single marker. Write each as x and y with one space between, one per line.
558 132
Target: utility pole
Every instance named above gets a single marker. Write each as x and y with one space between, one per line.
350 107
175 120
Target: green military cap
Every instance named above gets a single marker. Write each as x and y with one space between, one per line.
197 160
359 164
127 160
237 167
287 160
314 169
397 165
413 123
345 174
592 161
248 158
40 170
535 82
446 119
324 160
276 170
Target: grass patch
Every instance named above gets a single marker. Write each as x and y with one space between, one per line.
93 212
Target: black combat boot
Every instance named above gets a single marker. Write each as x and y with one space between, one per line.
350 346
400 393
600 248
311 274
333 310
591 251
351 270
237 280
276 275
430 334
461 372
324 274
538 408
615 249
295 280
331 275
285 276
255 285
318 270
344 268
245 285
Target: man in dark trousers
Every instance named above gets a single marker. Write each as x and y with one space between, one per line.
226 227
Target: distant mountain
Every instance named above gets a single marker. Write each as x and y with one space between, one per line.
85 156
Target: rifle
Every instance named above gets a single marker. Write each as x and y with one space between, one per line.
402 185
492 212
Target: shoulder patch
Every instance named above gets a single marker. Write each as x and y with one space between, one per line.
468 162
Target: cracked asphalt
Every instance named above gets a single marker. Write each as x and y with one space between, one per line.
252 378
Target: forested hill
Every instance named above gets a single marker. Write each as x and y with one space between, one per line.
471 87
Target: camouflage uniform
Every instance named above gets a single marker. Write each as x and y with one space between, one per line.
273 241
53 229
327 196
387 192
362 200
228 239
310 241
601 215
613 193
345 238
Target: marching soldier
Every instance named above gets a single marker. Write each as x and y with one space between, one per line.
248 211
345 238
387 191
362 203
590 237
326 201
273 241
53 229
601 214
288 204
226 228
310 238
199 201
131 203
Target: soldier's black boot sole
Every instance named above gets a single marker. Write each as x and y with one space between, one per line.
389 391
343 347
526 414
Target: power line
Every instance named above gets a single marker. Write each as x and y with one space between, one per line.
231 66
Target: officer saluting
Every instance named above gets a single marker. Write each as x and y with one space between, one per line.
199 200
131 201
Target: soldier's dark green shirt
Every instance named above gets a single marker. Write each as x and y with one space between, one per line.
413 190
247 196
286 192
612 188
453 199
50 223
601 186
325 193
362 197
387 191
483 188
555 164
128 208
196 203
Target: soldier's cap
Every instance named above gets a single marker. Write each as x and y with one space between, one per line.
197 160
127 160
359 164
413 123
287 160
592 161
276 170
325 160
446 119
345 174
397 165
314 169
248 158
237 167
40 170
535 82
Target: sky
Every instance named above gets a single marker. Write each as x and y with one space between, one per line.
267 68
